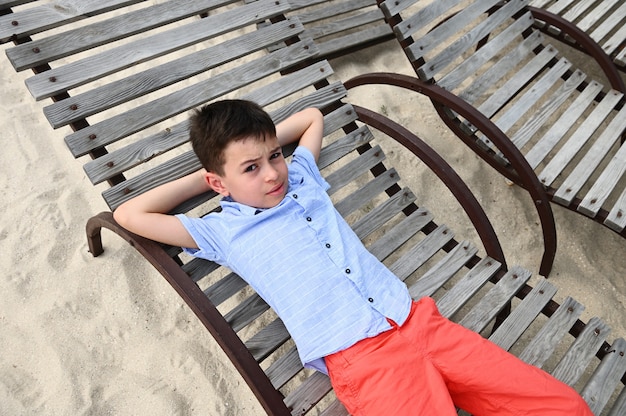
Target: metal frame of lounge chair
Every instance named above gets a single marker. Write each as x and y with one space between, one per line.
132 156
499 142
603 23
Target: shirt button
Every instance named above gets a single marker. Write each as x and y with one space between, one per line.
327 245
308 219
295 196
348 271
370 300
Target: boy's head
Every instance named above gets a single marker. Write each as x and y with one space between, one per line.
236 143
216 125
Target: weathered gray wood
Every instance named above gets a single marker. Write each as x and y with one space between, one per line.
285 368
459 294
335 409
398 235
548 337
225 288
4 4
346 174
58 13
246 312
471 65
577 178
366 193
605 379
619 408
503 66
616 220
340 25
523 315
349 41
443 271
267 339
421 252
138 84
382 213
604 185
112 60
308 394
581 352
150 113
546 143
542 114
579 138
497 297
445 57
530 98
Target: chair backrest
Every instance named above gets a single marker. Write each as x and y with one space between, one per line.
567 126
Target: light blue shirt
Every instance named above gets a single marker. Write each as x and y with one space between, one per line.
305 261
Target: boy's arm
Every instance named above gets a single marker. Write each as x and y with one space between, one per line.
306 126
146 214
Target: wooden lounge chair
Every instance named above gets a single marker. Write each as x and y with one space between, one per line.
517 103
127 110
603 21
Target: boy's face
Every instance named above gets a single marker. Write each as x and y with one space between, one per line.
255 173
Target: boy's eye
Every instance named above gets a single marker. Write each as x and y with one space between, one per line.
276 155
251 168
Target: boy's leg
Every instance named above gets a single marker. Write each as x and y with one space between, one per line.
386 375
483 378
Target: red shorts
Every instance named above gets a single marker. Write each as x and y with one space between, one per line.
430 365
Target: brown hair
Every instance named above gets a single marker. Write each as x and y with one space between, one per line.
216 125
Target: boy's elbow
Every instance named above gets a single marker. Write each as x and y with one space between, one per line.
120 215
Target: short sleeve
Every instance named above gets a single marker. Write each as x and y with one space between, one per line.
303 163
206 233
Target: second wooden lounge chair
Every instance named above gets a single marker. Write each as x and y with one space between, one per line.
517 103
129 122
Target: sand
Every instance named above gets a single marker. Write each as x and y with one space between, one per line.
107 335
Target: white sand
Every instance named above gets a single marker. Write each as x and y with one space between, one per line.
80 335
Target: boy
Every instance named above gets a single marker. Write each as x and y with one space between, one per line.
348 314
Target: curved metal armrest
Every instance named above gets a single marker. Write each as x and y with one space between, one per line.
445 172
523 173
585 42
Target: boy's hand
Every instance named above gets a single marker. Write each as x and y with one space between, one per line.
306 126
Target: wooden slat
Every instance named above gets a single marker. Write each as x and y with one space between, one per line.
225 288
307 394
605 379
335 409
459 294
523 315
547 338
141 83
503 66
58 13
483 55
497 297
464 43
181 100
421 252
329 9
348 23
581 352
619 408
348 41
366 193
246 312
398 235
616 220
267 340
285 368
579 138
141 50
382 213
541 115
4 4
532 96
355 168
577 178
545 144
604 185
443 270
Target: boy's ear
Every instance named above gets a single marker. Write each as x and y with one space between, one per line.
215 182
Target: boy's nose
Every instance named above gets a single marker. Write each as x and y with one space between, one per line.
271 173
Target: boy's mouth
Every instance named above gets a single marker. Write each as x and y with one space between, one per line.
278 189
